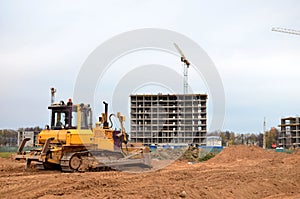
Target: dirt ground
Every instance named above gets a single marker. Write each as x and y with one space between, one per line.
237 172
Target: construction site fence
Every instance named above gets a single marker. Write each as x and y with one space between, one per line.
213 149
14 148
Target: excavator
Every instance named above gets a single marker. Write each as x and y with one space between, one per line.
71 143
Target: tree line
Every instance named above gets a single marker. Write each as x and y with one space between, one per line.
231 138
9 137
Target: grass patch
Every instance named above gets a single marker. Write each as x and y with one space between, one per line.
288 151
207 157
6 154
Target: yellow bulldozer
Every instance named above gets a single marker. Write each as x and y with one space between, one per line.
71 143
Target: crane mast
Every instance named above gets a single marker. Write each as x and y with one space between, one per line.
186 65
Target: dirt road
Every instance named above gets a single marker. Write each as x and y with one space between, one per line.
237 172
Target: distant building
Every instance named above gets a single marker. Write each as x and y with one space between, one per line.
168 119
28 134
213 141
289 132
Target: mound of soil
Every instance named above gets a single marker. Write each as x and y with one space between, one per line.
188 154
8 164
294 158
297 152
167 153
243 152
237 172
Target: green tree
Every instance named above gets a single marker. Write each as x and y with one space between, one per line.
271 137
8 137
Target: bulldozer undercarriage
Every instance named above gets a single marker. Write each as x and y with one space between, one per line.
85 161
80 159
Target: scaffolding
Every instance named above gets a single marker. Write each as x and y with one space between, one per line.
290 132
169 119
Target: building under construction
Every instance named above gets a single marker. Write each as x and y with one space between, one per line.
169 119
28 134
290 132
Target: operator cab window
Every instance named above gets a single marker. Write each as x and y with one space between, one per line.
74 117
86 119
60 120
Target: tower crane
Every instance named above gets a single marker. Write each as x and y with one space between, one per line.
186 65
286 30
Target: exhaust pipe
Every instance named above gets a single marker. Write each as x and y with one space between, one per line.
105 124
53 91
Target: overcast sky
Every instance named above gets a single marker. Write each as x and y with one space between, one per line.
45 43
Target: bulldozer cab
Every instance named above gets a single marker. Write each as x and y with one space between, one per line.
69 116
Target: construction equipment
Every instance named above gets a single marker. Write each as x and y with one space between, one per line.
70 143
286 30
186 65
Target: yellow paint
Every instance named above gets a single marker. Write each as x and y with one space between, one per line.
67 136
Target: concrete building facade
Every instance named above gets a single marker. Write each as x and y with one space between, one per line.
289 132
28 134
214 141
173 119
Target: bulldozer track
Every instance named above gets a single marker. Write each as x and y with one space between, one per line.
66 162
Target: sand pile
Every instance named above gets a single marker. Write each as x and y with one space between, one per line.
8 164
294 158
243 152
238 172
